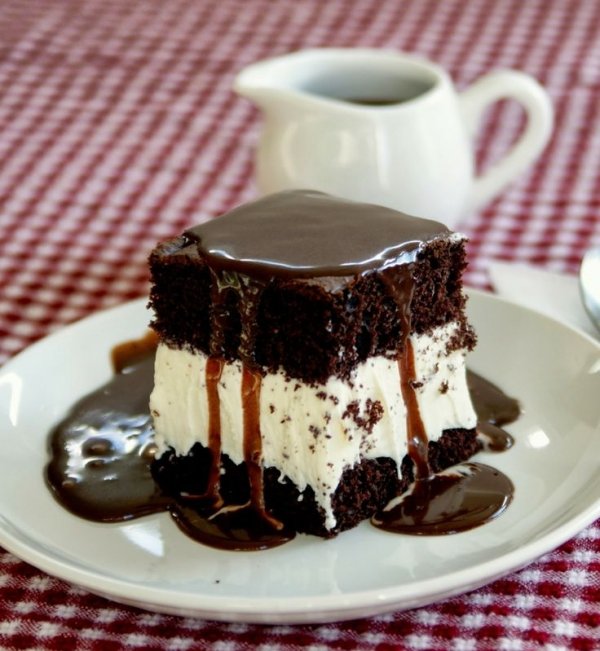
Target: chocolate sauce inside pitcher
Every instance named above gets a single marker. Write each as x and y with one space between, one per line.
375 101
101 452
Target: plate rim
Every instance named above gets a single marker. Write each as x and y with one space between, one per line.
291 610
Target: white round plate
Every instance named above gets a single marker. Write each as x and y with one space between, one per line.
555 466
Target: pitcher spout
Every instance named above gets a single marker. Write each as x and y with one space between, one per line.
264 97
264 83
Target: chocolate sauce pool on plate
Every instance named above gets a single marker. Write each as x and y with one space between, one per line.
457 499
467 495
101 454
100 464
493 409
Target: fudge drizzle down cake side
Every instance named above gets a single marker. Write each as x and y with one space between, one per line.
311 359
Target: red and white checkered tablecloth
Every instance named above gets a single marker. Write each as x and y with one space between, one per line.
118 128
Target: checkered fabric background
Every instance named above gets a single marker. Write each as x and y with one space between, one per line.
118 128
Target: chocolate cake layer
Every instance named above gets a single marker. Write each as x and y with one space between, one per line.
334 321
363 490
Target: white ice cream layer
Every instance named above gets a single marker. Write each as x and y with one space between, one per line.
312 433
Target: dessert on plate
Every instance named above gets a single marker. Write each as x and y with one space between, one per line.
311 359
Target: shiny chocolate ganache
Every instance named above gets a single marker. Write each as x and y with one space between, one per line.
306 234
101 453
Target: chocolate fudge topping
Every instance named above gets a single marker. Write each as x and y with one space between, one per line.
308 234
231 278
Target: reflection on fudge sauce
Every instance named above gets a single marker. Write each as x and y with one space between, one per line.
240 265
101 456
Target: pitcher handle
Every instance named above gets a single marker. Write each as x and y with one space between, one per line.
507 84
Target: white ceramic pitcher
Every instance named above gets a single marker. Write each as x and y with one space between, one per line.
385 127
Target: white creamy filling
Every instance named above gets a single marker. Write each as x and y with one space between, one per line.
312 433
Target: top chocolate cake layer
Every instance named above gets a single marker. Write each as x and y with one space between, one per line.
308 234
307 283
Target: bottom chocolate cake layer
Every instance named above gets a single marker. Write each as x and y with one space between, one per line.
363 490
